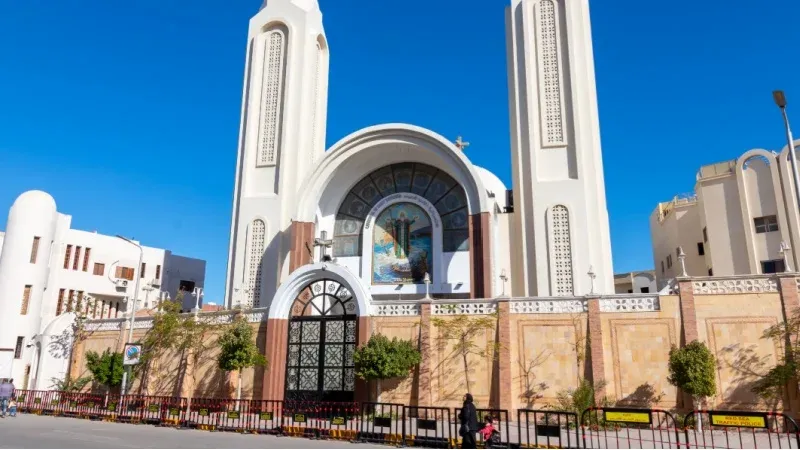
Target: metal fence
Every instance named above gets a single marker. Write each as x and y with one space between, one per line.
428 426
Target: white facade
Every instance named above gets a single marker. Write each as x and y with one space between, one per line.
643 282
48 269
545 243
734 224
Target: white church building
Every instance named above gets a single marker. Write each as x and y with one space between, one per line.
393 202
49 272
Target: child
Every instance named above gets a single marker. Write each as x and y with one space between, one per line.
489 434
12 408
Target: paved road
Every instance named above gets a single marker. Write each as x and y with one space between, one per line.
28 431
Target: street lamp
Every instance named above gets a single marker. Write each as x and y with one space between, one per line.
198 292
682 260
503 278
133 306
592 276
780 100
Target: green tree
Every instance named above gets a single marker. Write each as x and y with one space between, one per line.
68 384
238 350
173 332
772 384
382 359
691 369
459 332
106 369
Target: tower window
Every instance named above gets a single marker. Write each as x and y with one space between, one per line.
701 249
35 249
26 298
705 234
158 272
60 305
766 224
141 272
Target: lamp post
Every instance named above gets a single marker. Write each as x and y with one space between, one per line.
780 100
592 276
427 281
133 308
503 278
198 292
784 252
682 260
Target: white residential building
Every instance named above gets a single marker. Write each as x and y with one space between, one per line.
48 269
742 219
641 282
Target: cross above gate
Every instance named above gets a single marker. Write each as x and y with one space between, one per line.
325 244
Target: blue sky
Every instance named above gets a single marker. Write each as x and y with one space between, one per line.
109 103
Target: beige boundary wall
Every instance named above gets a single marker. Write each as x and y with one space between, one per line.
538 347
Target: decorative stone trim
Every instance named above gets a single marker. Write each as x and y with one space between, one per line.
735 286
797 283
546 306
395 309
104 325
630 304
145 323
473 308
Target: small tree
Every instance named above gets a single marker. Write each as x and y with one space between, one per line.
460 331
173 332
238 350
691 369
382 359
106 369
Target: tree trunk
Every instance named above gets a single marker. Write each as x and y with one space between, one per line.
239 386
699 417
466 370
378 382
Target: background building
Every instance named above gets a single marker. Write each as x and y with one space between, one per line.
735 223
48 270
642 282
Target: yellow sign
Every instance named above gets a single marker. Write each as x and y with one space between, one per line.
627 416
300 418
726 420
266 415
337 421
203 412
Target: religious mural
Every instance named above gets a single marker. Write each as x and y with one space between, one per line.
430 183
402 245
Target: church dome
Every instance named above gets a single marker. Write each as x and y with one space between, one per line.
39 200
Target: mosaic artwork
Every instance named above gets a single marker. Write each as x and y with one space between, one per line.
402 245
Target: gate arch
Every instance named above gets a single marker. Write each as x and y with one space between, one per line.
322 340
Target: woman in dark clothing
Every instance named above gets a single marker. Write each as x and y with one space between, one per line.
469 422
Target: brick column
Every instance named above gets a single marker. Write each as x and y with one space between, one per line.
596 356
790 304
302 233
425 396
364 332
480 250
503 362
276 347
688 312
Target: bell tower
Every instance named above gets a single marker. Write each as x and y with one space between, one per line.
281 137
560 224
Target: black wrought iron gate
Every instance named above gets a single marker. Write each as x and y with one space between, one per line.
319 366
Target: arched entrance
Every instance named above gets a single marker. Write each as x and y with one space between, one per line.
323 332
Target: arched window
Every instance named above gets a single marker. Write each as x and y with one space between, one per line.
324 298
560 246
273 82
255 256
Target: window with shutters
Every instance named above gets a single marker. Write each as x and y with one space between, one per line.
272 92
60 304
35 249
26 298
142 272
158 272
70 304
124 273
99 269
77 258
18 347
67 256
86 255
